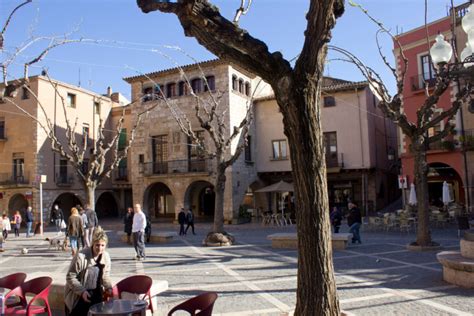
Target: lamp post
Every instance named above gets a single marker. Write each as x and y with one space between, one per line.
441 51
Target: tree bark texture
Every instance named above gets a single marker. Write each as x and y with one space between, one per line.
297 92
219 191
90 194
423 233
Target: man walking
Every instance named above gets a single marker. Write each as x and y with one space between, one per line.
57 217
190 220
138 231
181 221
29 220
92 223
354 220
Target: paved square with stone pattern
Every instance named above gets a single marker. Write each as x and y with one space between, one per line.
375 278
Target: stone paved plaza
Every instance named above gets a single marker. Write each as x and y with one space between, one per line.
376 278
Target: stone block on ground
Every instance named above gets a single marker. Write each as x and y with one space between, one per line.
457 269
290 240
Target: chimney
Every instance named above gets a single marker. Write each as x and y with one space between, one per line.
115 97
109 91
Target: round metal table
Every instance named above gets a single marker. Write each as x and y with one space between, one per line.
119 308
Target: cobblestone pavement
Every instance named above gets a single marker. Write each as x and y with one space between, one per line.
377 277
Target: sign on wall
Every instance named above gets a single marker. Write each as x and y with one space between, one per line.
402 182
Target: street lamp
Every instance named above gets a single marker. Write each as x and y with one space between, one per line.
441 51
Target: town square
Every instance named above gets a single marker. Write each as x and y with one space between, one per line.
166 157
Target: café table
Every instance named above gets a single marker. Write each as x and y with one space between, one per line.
119 307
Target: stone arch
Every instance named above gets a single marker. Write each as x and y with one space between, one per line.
66 201
158 201
17 202
200 197
107 205
438 172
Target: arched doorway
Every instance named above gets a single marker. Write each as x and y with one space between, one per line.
66 201
159 201
439 172
200 197
106 205
18 202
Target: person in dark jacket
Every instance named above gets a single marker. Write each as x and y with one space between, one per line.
354 221
29 220
190 220
127 223
57 216
92 223
336 219
181 221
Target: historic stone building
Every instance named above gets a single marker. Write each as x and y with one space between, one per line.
168 169
25 150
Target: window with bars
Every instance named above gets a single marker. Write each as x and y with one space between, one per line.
71 100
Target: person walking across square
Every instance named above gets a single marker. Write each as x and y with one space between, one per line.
354 221
57 216
17 221
128 223
181 221
92 223
29 220
138 231
190 220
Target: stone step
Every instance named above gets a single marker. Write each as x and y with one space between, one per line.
467 248
290 240
457 269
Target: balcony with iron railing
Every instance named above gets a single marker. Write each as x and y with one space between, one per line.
460 11
64 179
418 83
334 161
177 167
14 179
467 140
120 174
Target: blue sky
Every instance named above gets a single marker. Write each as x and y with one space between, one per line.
129 39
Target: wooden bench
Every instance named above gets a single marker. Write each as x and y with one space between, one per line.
290 240
156 237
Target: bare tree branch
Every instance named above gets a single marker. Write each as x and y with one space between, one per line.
242 10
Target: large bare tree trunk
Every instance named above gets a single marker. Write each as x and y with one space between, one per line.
90 194
423 234
316 292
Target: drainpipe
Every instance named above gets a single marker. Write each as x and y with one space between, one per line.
360 128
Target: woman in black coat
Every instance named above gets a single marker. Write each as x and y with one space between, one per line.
128 222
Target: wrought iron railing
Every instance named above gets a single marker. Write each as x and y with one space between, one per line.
64 179
177 166
9 178
468 139
120 174
332 161
418 82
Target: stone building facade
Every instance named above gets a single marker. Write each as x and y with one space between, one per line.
25 150
168 170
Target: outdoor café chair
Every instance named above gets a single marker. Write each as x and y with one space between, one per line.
38 286
135 284
204 303
13 280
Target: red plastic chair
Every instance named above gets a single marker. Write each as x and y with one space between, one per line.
40 287
13 280
136 284
204 303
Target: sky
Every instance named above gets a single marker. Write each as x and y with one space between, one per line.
128 42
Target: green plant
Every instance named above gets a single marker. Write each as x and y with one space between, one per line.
448 144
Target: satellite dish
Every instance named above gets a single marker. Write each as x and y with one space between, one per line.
470 107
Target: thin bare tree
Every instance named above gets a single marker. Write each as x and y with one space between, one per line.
211 117
428 114
106 153
297 91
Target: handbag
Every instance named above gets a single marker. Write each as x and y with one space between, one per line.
63 224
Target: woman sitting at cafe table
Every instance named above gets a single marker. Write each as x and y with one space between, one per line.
88 277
